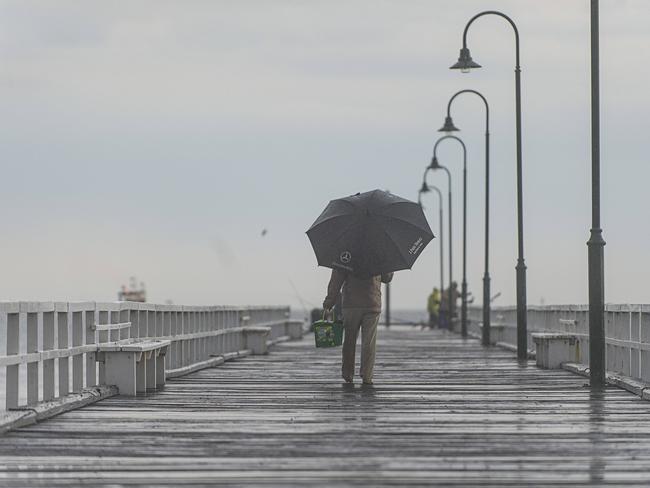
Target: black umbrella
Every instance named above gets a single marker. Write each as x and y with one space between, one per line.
370 233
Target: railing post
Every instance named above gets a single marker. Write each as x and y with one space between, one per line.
125 315
221 320
231 316
31 310
102 337
637 336
206 316
114 318
77 359
200 342
151 320
63 343
141 321
175 346
644 337
91 338
48 344
10 317
185 349
160 322
194 314
211 327
167 321
134 317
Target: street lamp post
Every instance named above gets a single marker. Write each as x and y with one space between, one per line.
449 127
425 189
596 242
465 63
435 164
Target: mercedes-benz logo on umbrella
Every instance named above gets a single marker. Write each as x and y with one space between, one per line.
345 257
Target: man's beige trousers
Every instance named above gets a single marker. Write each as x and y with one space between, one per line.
353 320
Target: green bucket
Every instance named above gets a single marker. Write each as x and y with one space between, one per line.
328 334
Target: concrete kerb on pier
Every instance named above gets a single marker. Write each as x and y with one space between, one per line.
23 416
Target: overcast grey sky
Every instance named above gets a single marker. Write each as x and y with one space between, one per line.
158 138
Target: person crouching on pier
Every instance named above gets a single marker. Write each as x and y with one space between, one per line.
361 310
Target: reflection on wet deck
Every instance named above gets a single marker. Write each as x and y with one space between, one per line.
443 410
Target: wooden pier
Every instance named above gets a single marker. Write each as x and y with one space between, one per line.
443 411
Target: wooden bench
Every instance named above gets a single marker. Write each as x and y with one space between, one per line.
133 365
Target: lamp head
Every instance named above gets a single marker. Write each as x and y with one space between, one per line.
434 163
465 62
425 187
448 126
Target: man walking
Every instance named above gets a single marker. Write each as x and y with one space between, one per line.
361 309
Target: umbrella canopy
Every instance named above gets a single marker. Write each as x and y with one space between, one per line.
370 233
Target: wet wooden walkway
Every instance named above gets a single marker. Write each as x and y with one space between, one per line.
443 411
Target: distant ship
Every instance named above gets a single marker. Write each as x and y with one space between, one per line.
132 293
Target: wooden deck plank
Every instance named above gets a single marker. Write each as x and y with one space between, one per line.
443 411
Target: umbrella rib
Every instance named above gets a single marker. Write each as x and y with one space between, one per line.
347 228
390 239
395 217
401 201
409 223
316 225
339 214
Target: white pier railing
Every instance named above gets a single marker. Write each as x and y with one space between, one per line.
52 348
627 332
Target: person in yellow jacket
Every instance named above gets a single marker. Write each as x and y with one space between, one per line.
433 307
